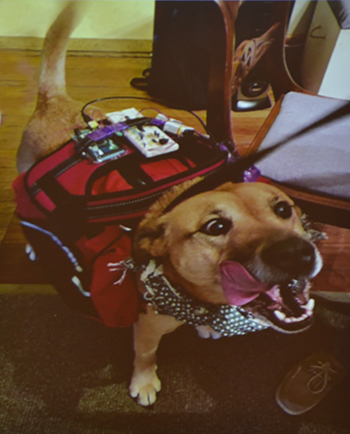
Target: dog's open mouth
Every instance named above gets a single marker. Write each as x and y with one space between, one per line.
285 306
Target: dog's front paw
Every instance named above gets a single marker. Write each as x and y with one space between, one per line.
144 388
206 332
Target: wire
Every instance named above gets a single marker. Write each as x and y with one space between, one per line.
88 119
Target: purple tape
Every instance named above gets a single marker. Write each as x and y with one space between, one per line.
107 131
157 122
249 175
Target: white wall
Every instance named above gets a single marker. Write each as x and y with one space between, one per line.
301 17
106 19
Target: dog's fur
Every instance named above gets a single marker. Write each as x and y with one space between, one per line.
267 243
56 114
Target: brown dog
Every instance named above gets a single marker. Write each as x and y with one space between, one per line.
228 261
241 245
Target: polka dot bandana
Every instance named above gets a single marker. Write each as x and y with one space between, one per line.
167 300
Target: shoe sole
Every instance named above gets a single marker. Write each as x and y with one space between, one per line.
288 410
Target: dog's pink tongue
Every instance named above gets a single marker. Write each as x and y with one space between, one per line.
239 286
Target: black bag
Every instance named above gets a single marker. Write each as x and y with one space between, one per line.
180 62
179 74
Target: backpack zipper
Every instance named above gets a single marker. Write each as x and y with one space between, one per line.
137 205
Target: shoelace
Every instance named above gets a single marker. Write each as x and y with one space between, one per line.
322 375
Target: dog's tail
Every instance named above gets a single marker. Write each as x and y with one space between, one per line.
52 80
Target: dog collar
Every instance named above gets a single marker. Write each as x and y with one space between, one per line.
167 300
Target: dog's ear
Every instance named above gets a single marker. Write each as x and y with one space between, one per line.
228 186
149 241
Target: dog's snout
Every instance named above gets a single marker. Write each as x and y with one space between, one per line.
294 255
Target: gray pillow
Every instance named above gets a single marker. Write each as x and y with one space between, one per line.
318 161
341 11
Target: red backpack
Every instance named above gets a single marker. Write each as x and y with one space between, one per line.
79 205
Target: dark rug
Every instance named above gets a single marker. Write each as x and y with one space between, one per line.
62 373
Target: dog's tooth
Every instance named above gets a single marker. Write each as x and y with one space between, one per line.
279 315
309 307
292 319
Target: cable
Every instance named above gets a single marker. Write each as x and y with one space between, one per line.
87 118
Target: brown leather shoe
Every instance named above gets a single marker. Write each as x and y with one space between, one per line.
308 382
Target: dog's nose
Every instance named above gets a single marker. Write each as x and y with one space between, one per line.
293 255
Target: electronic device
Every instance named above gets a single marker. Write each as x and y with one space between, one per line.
108 149
102 144
150 140
123 115
128 130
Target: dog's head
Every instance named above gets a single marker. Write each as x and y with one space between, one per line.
240 244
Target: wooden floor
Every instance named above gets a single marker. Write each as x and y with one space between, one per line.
92 75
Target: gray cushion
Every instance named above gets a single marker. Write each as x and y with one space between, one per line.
318 161
341 11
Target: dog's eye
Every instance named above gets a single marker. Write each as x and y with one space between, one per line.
216 227
283 209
